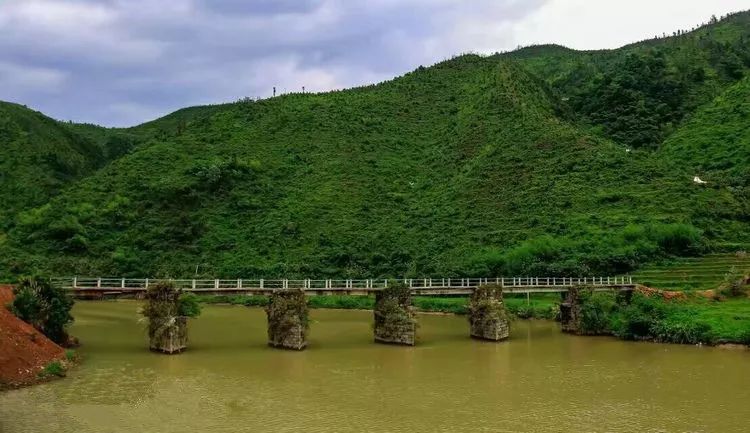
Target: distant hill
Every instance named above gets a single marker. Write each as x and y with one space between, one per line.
39 156
544 161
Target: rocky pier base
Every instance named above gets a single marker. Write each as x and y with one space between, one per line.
288 322
167 328
488 319
570 311
395 321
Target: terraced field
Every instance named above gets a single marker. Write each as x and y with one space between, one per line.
695 273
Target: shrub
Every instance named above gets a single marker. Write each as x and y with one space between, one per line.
678 239
596 312
637 319
682 332
45 307
733 284
188 305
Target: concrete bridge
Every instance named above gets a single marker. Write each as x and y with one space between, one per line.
394 317
97 287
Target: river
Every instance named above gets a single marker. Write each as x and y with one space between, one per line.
229 380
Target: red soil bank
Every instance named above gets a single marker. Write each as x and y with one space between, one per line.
24 351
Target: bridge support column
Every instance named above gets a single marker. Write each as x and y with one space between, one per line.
488 319
167 330
570 311
288 322
395 321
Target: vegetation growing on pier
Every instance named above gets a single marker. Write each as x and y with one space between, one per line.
288 321
167 310
394 315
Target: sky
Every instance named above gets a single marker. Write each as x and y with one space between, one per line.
123 62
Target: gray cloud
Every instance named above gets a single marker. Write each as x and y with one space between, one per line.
122 62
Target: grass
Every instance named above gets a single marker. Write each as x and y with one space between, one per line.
728 319
54 368
693 319
70 355
538 307
702 273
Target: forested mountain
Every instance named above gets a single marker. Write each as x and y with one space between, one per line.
540 161
39 156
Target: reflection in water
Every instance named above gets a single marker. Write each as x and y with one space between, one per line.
229 381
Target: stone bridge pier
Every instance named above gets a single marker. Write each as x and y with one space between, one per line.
488 319
288 322
570 311
395 321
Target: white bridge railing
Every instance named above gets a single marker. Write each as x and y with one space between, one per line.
135 284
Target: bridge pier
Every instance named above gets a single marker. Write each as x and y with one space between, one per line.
288 322
488 319
570 311
167 330
395 321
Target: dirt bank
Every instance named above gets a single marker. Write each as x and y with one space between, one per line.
24 351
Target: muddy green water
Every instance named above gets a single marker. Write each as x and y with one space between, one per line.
229 381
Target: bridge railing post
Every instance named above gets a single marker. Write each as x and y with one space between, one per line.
122 283
146 283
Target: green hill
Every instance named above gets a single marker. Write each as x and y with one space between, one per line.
474 166
715 142
39 156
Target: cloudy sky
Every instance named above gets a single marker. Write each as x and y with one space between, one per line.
122 62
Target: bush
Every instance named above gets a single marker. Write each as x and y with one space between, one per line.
596 312
44 307
682 332
188 305
637 319
678 239
733 286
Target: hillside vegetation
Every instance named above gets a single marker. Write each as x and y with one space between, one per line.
39 156
545 161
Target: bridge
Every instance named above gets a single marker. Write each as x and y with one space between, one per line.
95 287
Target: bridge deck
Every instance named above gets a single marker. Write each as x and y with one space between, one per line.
422 286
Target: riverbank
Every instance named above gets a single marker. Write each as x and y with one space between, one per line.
26 355
666 317
537 307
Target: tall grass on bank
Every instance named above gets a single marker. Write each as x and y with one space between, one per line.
693 320
542 307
